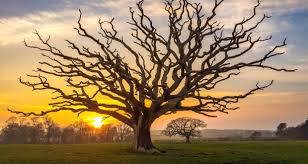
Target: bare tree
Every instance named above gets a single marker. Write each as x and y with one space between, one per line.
185 127
281 129
37 134
68 135
13 131
195 55
124 133
107 133
83 131
52 130
255 135
18 130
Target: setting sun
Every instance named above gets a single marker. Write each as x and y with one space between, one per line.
97 122
153 81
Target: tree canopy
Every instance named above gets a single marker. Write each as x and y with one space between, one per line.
195 55
185 127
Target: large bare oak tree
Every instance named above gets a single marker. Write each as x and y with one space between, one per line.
194 55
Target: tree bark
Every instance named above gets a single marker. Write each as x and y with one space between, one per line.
142 138
187 139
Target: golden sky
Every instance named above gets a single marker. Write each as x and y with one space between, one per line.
285 101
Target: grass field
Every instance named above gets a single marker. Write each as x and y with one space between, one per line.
212 152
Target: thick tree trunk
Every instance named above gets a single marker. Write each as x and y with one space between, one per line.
142 138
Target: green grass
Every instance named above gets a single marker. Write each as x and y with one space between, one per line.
212 152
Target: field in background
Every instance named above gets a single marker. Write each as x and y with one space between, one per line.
211 152
233 134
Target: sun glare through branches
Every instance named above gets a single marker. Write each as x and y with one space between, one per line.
97 122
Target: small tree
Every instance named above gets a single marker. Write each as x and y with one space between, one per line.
36 128
281 129
52 130
124 133
83 131
255 135
107 133
185 127
68 135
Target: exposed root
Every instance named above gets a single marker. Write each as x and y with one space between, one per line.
153 151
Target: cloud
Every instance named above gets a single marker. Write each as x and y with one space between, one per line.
18 28
284 6
59 16
57 24
58 19
17 8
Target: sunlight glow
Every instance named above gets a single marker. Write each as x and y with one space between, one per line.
97 122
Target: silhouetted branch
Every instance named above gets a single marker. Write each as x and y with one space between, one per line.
195 55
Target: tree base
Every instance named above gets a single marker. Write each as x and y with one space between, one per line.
148 151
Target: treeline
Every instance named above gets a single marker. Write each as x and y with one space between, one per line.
43 130
298 132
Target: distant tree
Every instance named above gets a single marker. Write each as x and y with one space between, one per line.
12 133
304 129
281 129
83 131
38 130
169 132
255 135
185 127
298 132
53 131
185 62
1 137
107 133
37 133
124 133
68 135
21 130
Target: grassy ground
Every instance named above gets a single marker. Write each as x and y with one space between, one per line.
211 152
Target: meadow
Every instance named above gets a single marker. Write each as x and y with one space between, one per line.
227 152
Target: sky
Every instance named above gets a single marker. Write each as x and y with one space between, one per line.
286 101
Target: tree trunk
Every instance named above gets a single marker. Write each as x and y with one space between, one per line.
142 138
187 139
